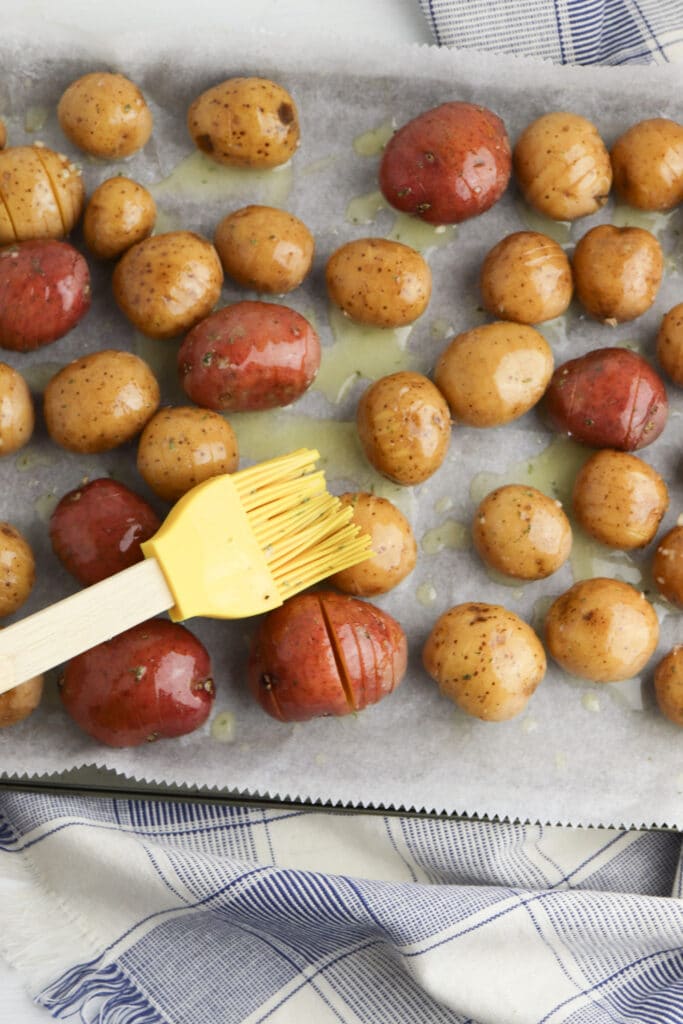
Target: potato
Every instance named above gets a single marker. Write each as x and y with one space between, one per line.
264 248
448 164
17 569
670 344
669 685
168 283
617 272
17 417
100 401
404 426
325 654
527 278
602 630
44 292
521 532
179 447
249 356
619 499
647 163
608 398
246 122
105 114
667 565
3 134
562 166
485 659
120 213
495 373
41 194
394 551
379 282
21 701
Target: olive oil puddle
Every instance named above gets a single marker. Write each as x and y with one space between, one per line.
371 143
204 179
412 231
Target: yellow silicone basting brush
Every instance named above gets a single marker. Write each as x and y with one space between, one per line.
234 546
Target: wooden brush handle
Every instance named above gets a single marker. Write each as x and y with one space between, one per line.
73 625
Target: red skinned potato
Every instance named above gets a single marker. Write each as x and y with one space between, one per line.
609 398
249 356
96 530
153 681
447 164
44 292
325 654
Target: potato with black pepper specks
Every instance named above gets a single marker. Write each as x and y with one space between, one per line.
521 532
670 344
527 278
21 701
264 248
667 565
245 122
41 194
16 411
394 551
669 685
100 401
181 446
379 282
619 499
647 162
602 630
168 283
562 166
485 659
17 569
494 373
105 114
120 213
404 426
617 272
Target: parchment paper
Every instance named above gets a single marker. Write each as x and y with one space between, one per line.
581 753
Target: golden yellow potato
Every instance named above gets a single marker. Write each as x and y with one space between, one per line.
379 282
168 283
494 373
19 702
521 532
601 629
619 499
670 344
16 410
100 401
264 248
527 278
667 565
617 272
647 163
120 213
41 194
3 134
562 166
669 685
183 445
248 122
485 659
394 551
105 114
17 569
404 426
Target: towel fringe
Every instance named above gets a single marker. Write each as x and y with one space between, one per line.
96 992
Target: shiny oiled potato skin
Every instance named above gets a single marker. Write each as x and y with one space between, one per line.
21 701
494 373
100 401
105 114
521 532
181 446
667 566
669 685
404 426
41 194
619 499
526 277
394 550
3 134
17 569
670 344
485 659
246 122
379 282
119 213
562 166
264 248
617 272
602 630
17 416
647 161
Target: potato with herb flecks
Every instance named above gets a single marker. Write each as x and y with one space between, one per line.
521 532
617 272
669 685
120 213
667 565
527 278
647 161
264 248
394 551
670 344
41 194
105 114
16 411
17 569
20 702
379 282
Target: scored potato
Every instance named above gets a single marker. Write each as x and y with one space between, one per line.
527 278
41 193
